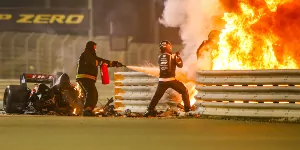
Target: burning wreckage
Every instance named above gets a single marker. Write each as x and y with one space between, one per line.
51 95
55 95
256 35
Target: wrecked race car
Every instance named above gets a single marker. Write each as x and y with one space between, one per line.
51 95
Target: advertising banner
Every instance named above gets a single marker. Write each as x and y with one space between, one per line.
36 20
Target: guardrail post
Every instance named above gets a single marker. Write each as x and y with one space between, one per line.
38 54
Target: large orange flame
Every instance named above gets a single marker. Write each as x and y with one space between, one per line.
259 35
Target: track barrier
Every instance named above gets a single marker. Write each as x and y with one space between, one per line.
249 93
134 90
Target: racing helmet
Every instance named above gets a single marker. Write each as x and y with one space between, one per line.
213 34
63 80
164 45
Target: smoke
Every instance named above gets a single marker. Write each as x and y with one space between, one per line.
195 18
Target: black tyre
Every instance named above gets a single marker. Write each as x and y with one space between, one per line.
15 99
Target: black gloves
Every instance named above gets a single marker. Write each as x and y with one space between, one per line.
178 58
117 64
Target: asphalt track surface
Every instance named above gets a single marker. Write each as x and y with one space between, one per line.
83 133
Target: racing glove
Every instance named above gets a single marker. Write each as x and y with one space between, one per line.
178 60
117 64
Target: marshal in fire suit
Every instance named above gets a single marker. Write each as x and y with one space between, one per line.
167 65
86 76
208 45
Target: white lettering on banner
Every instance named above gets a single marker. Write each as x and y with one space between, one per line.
50 18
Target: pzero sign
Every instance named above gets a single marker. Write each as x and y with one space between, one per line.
33 19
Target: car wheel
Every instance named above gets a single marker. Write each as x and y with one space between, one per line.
15 99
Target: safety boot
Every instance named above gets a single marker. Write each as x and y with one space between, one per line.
151 113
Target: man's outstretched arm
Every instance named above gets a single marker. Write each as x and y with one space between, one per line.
108 62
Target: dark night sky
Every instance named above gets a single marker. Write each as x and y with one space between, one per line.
131 17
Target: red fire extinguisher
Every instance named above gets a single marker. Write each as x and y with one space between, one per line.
104 74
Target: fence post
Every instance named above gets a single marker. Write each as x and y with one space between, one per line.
12 71
63 52
27 49
38 57
91 24
2 35
50 54
74 48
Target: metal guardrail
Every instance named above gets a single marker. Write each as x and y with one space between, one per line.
134 90
255 93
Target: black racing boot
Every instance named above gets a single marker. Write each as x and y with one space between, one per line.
187 109
151 113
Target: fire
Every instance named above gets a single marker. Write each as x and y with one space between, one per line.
78 88
192 93
259 35
98 111
74 112
272 4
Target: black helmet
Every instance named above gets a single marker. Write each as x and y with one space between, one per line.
90 45
63 80
163 45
